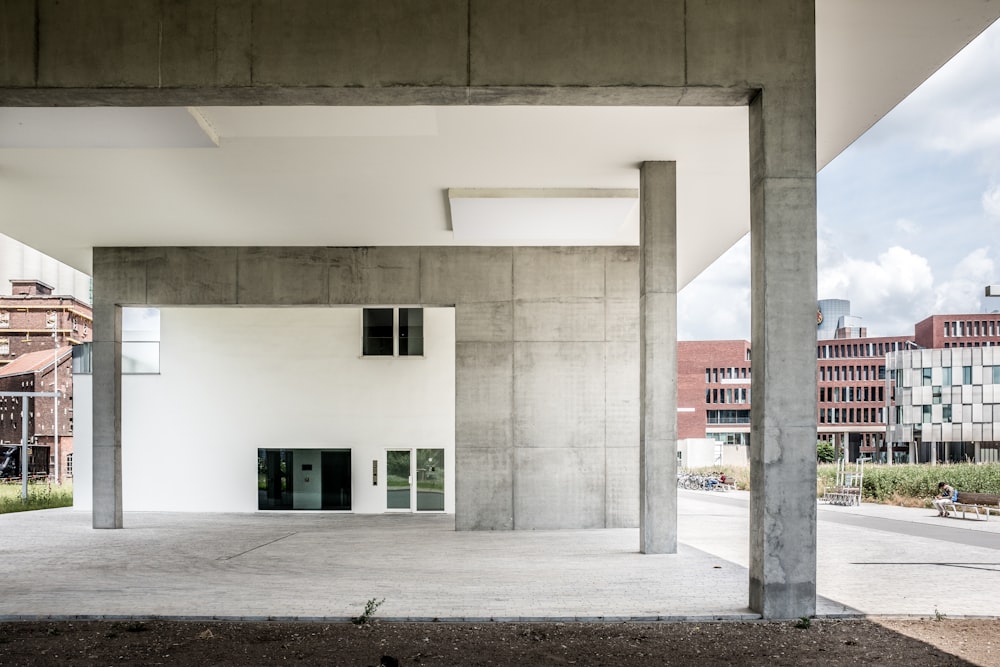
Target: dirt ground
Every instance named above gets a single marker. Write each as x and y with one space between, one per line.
913 643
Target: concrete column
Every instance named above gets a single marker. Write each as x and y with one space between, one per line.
107 424
658 358
783 311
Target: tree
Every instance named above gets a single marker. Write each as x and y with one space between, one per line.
824 452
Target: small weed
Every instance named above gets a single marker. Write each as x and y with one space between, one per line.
370 608
803 623
938 616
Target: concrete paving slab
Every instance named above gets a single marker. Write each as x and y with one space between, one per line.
325 566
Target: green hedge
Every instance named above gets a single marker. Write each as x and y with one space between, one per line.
884 482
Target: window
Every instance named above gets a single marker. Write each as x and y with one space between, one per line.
4 319
936 395
966 374
140 341
925 374
728 416
69 465
411 332
377 332
947 330
996 375
4 345
946 375
946 414
925 414
388 332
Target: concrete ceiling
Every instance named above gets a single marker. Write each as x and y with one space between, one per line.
73 179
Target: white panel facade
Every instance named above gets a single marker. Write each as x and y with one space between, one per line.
235 380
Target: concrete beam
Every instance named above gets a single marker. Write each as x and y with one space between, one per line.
658 358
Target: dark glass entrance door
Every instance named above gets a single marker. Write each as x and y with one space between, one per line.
336 484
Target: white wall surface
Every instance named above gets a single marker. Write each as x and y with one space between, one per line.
233 380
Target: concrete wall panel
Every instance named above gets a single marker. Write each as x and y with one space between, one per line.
360 43
483 394
483 488
98 43
485 322
119 276
558 273
580 319
621 498
191 276
283 276
465 275
577 42
206 42
559 487
389 276
555 402
621 320
17 35
622 273
622 391
736 43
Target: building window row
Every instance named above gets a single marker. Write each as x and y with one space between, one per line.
867 394
716 375
728 395
985 343
728 416
946 376
971 328
852 350
851 373
851 416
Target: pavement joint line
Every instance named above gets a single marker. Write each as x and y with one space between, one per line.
259 546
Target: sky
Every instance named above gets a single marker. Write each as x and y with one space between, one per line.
908 216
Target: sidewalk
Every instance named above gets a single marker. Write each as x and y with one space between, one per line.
872 560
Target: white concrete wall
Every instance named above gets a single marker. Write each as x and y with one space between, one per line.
233 380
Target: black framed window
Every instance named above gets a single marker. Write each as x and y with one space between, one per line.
378 329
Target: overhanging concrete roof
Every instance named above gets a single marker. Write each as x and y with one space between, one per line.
74 179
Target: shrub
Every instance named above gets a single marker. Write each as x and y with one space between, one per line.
41 495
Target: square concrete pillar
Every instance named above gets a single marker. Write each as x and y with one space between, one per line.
658 358
783 410
107 416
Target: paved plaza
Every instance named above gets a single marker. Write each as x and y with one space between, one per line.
873 560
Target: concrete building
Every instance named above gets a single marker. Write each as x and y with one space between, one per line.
447 158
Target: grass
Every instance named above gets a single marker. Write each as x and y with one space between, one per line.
907 485
41 496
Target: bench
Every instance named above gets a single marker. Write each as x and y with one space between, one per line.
983 504
843 495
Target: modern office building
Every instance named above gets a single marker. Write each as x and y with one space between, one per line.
943 403
553 172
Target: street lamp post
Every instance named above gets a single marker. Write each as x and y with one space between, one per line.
55 391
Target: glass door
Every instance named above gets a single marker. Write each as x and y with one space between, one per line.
430 480
398 479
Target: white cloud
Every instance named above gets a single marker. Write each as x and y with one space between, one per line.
991 200
716 304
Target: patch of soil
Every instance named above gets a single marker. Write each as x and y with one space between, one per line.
913 643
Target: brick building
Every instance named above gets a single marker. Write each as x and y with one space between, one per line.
36 327
35 371
31 314
714 380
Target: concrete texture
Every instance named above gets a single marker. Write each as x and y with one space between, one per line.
877 560
658 358
486 52
534 370
783 412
